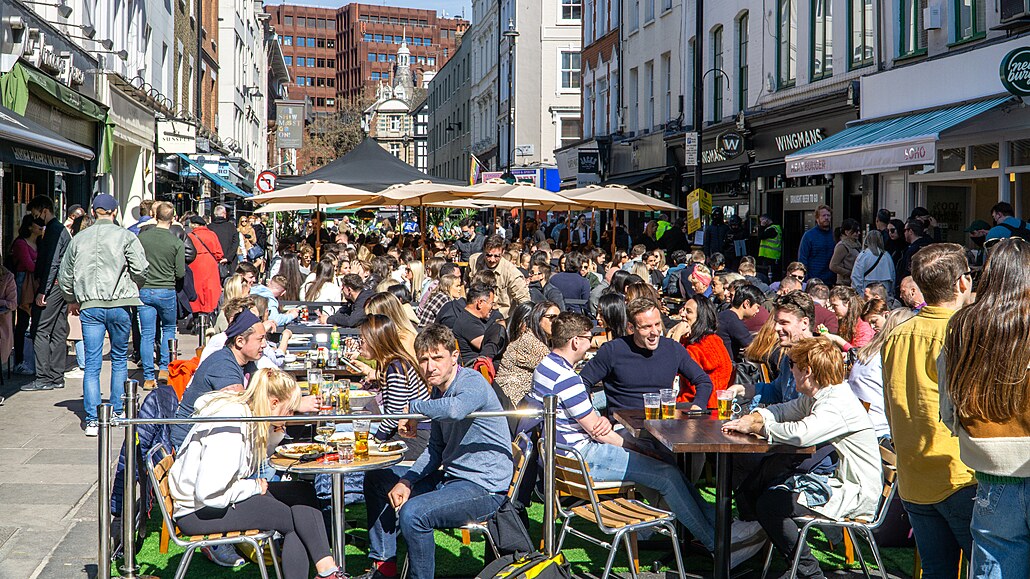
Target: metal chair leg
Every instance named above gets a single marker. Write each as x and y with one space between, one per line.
798 548
876 553
184 563
629 554
858 552
259 554
490 541
275 559
564 532
768 558
676 549
611 555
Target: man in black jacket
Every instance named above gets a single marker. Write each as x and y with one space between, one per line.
228 235
49 331
355 294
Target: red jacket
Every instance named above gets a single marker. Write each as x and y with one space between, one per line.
709 353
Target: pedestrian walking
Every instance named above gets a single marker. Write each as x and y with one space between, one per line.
49 312
100 276
166 255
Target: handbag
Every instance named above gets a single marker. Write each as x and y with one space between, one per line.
223 268
508 531
255 252
875 263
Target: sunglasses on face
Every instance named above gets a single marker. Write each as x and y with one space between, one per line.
892 230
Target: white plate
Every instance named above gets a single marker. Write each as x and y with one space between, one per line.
374 449
299 449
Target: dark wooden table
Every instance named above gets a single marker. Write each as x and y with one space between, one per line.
690 434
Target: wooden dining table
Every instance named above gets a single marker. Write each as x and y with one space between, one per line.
686 433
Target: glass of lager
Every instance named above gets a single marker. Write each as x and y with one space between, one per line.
725 399
652 406
668 401
361 428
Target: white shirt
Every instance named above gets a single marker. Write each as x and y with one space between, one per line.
866 382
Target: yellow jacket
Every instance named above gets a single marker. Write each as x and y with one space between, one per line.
929 467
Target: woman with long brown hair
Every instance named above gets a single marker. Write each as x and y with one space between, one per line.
984 396
765 348
323 287
387 304
397 375
853 331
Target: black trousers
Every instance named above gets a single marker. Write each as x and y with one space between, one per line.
774 510
50 338
288 507
22 320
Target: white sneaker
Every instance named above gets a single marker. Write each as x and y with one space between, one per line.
224 555
92 428
74 374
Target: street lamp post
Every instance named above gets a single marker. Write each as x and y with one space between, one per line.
699 91
511 34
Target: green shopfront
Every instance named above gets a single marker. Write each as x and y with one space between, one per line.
52 130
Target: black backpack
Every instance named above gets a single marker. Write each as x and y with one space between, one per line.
527 566
1022 231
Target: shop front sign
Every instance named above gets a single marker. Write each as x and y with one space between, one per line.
176 137
1015 72
803 198
730 144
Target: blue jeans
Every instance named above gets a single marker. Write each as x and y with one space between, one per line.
435 503
1001 531
80 355
156 322
608 462
97 323
941 530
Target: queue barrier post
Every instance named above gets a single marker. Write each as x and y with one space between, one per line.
550 428
128 568
104 412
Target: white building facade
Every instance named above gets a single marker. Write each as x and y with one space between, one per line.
482 39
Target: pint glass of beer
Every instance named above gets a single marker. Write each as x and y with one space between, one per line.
652 406
668 401
725 400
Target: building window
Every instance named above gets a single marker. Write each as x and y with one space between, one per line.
913 34
330 81
378 38
634 14
287 41
289 60
431 60
382 57
320 81
742 70
330 24
427 42
395 149
330 43
570 74
288 20
822 38
320 43
311 62
787 42
634 99
320 62
330 63
861 24
649 89
969 19
717 75
571 131
311 22
367 37
666 73
371 57
395 124
571 9
648 10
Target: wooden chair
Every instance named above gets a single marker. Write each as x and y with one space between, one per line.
618 517
159 464
863 527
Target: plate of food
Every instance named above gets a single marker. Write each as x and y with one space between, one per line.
299 449
336 437
359 399
391 448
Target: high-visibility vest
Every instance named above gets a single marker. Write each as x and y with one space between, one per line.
772 247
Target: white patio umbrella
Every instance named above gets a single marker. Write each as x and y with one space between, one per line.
527 195
616 197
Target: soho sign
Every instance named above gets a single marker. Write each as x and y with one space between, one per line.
1015 72
915 153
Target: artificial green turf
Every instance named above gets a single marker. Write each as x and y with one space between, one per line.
456 560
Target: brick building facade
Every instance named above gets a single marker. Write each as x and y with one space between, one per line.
308 38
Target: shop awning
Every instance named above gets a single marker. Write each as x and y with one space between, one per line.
24 142
884 144
214 178
637 178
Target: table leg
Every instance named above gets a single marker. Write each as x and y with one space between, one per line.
339 539
723 513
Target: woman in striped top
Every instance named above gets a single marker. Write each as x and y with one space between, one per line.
398 376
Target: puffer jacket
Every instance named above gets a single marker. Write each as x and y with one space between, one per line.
104 267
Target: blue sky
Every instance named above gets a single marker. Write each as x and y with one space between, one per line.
452 7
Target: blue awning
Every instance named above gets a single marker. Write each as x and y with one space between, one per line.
214 178
884 144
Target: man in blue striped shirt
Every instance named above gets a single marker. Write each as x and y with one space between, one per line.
604 449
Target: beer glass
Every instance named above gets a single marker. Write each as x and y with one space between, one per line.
668 401
652 406
725 400
361 428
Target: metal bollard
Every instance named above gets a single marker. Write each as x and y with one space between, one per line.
104 412
129 567
202 329
173 349
550 430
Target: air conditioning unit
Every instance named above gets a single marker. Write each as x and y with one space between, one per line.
933 19
1014 10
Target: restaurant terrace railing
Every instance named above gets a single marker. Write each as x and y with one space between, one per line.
108 422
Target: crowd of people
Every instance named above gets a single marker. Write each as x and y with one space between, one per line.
872 337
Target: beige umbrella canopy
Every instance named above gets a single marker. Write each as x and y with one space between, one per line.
274 207
319 193
616 197
527 195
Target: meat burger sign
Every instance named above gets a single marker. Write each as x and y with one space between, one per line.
1015 72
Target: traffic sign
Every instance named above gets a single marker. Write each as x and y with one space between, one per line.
266 182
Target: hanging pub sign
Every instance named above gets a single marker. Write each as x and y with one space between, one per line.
1015 72
730 144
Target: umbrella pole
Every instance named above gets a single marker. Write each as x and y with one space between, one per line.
568 225
318 231
615 224
422 229
590 236
522 220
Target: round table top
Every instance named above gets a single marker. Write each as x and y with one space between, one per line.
316 467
